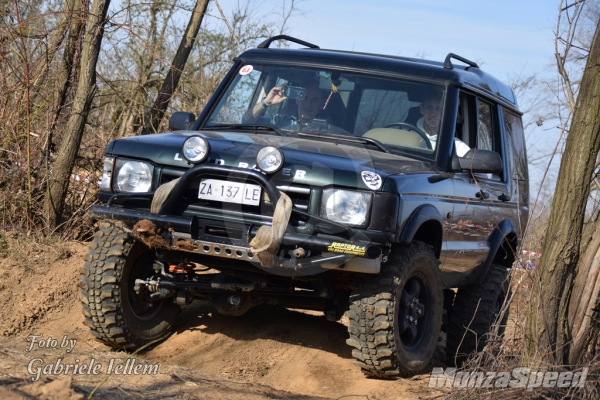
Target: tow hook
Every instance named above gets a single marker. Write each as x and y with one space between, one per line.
157 290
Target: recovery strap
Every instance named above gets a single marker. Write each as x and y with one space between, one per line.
268 238
161 195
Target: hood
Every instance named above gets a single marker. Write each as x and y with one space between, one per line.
307 160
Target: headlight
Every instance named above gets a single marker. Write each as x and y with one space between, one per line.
269 159
133 176
107 171
195 149
346 206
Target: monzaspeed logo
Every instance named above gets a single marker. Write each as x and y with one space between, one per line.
517 378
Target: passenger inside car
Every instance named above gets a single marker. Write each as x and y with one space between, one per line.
431 109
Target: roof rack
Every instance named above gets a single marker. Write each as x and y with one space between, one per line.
448 63
267 43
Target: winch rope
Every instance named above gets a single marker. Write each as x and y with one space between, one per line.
161 194
268 238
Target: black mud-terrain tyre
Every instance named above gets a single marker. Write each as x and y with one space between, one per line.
475 310
396 316
112 310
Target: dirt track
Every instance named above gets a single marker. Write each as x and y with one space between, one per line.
267 353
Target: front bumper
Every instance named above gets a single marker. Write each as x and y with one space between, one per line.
334 246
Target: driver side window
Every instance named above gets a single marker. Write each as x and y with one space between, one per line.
476 126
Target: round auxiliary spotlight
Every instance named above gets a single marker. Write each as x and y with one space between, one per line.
269 159
195 149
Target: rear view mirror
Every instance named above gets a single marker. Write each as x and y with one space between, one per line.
181 121
481 161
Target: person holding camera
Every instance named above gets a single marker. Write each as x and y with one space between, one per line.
308 108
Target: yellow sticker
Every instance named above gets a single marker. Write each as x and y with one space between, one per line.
345 248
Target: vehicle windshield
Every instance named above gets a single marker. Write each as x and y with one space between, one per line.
403 116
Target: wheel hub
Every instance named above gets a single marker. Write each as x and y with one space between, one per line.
145 295
413 308
416 311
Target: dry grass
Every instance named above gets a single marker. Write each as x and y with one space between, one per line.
505 352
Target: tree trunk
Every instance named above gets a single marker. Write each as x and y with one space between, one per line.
68 62
70 12
585 302
172 79
548 337
86 89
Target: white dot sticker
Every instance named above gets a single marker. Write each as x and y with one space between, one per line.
246 69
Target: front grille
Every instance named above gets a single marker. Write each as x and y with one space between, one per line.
300 195
168 174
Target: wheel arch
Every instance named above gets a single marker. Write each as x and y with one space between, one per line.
503 243
425 225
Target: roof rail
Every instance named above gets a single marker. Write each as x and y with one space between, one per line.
267 43
448 63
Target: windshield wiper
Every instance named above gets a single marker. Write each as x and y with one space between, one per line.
353 139
247 127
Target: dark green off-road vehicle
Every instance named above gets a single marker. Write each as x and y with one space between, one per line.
390 189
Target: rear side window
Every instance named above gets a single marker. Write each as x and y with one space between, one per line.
514 130
485 139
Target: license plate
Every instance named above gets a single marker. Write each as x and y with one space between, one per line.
229 192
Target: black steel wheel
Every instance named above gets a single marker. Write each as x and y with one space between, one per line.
396 316
414 303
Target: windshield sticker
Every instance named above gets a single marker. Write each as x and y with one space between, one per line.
371 179
246 69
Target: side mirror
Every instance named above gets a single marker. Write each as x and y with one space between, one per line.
481 161
181 121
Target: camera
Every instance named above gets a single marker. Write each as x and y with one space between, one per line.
294 92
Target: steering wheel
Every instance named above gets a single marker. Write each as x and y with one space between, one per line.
410 127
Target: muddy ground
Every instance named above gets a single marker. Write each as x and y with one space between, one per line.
269 352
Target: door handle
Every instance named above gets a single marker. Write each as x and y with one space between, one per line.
504 197
482 195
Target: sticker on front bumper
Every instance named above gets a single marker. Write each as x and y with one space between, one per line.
345 248
371 179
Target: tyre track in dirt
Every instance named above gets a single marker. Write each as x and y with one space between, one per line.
269 352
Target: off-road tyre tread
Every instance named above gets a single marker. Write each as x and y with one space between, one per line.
472 313
371 316
100 287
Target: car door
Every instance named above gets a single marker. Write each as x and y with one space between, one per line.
480 199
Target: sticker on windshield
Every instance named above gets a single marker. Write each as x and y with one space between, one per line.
246 69
371 179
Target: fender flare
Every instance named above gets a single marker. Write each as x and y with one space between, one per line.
419 216
495 241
